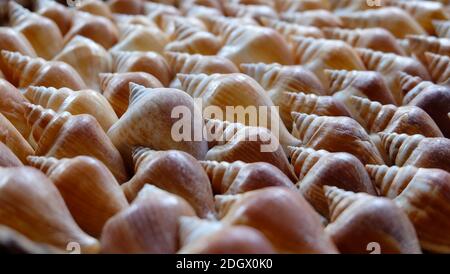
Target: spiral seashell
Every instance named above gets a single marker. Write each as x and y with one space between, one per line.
150 112
421 44
318 18
128 231
417 150
12 107
157 11
76 102
95 7
115 87
237 142
310 104
203 13
196 63
303 234
377 39
12 242
88 188
438 66
62 135
389 65
239 91
56 12
423 194
442 28
14 140
393 19
32 205
126 6
304 5
26 71
187 5
239 177
128 19
317 55
42 33
410 120
97 28
212 237
250 10
87 58
359 219
141 38
335 134
319 168
348 6
289 30
149 62
173 171
14 41
7 157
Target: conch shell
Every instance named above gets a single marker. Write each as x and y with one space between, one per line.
421 44
88 188
320 18
249 10
87 58
7 157
12 107
141 38
150 112
423 194
61 15
303 5
173 171
417 150
14 140
126 6
42 33
95 7
211 237
358 219
27 71
239 177
115 87
316 169
438 66
375 117
62 135
335 134
149 62
304 232
32 205
196 63
128 231
289 30
442 28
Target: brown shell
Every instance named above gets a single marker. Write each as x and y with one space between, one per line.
7 157
12 107
126 6
438 66
421 44
141 38
318 18
61 15
196 63
289 30
95 7
14 140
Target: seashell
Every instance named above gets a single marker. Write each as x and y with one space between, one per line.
377 39
239 177
370 84
416 150
87 58
32 205
174 25
126 6
12 40
289 30
316 169
27 71
375 117
128 19
303 234
12 107
203 13
38 30
434 99
393 19
317 18
149 62
252 44
14 140
62 135
187 5
88 188
128 231
303 5
196 63
389 65
236 142
442 28
438 66
239 91
359 219
150 112
76 102
7 157
318 55
173 171
56 12
97 28
422 193
157 11
95 7
115 87
141 38
217 25
216 238
348 6
249 10
190 39
421 44
335 134
424 12
12 242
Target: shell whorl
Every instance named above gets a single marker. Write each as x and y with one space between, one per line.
350 36
47 97
306 48
38 118
399 147
140 154
303 159
17 13
45 164
104 79
339 200
438 66
136 92
305 124
420 44
223 203
377 60
391 181
22 65
411 86
374 116
195 84
221 174
290 29
442 28
266 75
120 58
221 131
302 102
